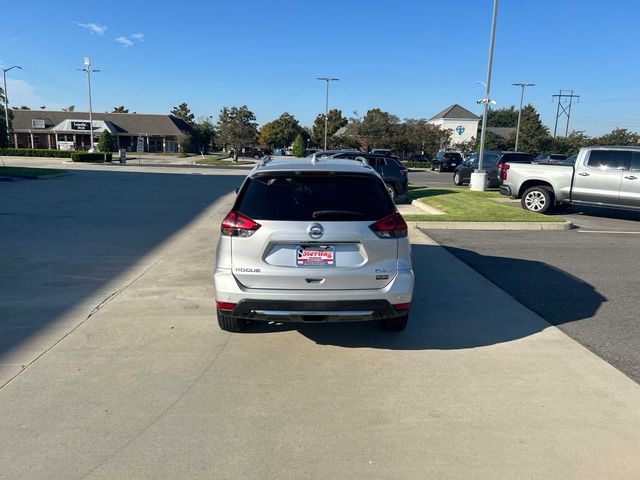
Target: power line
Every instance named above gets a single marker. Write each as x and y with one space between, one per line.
566 110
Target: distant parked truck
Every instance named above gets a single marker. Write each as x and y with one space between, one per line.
601 176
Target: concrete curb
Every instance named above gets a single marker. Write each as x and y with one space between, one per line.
525 226
430 210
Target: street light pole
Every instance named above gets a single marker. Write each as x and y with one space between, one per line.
523 85
326 108
479 177
6 100
88 70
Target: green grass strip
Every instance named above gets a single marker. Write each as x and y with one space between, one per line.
464 205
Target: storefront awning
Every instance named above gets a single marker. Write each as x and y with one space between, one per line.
82 126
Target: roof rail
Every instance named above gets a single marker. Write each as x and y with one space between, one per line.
264 160
363 160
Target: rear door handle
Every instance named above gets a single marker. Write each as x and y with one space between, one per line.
584 174
631 177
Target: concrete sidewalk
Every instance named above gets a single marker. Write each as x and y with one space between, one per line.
477 387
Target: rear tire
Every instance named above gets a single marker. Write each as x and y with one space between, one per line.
440 168
538 199
457 178
432 167
395 324
392 191
229 323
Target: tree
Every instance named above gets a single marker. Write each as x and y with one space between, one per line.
377 128
334 123
298 146
618 136
120 109
183 112
106 143
534 135
237 127
502 117
70 108
204 134
24 107
281 132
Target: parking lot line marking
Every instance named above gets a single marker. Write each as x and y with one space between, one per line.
608 231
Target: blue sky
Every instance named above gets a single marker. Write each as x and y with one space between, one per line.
412 58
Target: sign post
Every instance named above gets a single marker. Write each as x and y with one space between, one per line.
140 147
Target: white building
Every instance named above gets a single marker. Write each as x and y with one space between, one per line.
462 123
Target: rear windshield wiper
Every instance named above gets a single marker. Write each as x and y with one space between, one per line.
319 214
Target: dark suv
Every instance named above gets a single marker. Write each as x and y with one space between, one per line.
446 161
391 170
490 163
248 152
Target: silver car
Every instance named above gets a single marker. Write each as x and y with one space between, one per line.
313 241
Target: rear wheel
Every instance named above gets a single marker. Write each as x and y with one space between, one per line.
538 199
229 323
440 168
391 189
457 178
433 167
395 324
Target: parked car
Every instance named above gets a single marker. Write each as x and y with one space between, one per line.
251 152
550 158
313 241
418 157
446 161
381 151
601 176
394 173
462 175
330 153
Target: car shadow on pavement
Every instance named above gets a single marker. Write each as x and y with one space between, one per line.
455 308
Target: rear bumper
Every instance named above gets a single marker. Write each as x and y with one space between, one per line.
310 311
505 190
326 305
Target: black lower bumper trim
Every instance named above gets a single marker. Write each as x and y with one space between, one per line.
381 309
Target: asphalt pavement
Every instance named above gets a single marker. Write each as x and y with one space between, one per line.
585 281
117 368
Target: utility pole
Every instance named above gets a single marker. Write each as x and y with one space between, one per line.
6 101
523 85
326 108
566 110
479 177
88 70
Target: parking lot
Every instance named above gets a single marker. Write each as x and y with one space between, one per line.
113 365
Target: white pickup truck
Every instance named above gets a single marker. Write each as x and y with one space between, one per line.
601 176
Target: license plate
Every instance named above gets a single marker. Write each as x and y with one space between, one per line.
454 164
316 255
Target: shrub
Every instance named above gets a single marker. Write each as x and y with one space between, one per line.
417 164
106 143
36 152
298 147
91 157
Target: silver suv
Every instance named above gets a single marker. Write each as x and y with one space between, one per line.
313 241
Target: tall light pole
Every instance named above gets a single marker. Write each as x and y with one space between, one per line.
88 70
6 100
479 177
326 107
523 86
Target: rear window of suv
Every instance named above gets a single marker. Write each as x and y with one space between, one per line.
299 197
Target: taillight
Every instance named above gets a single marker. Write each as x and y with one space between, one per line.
236 224
503 170
225 305
402 307
391 226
